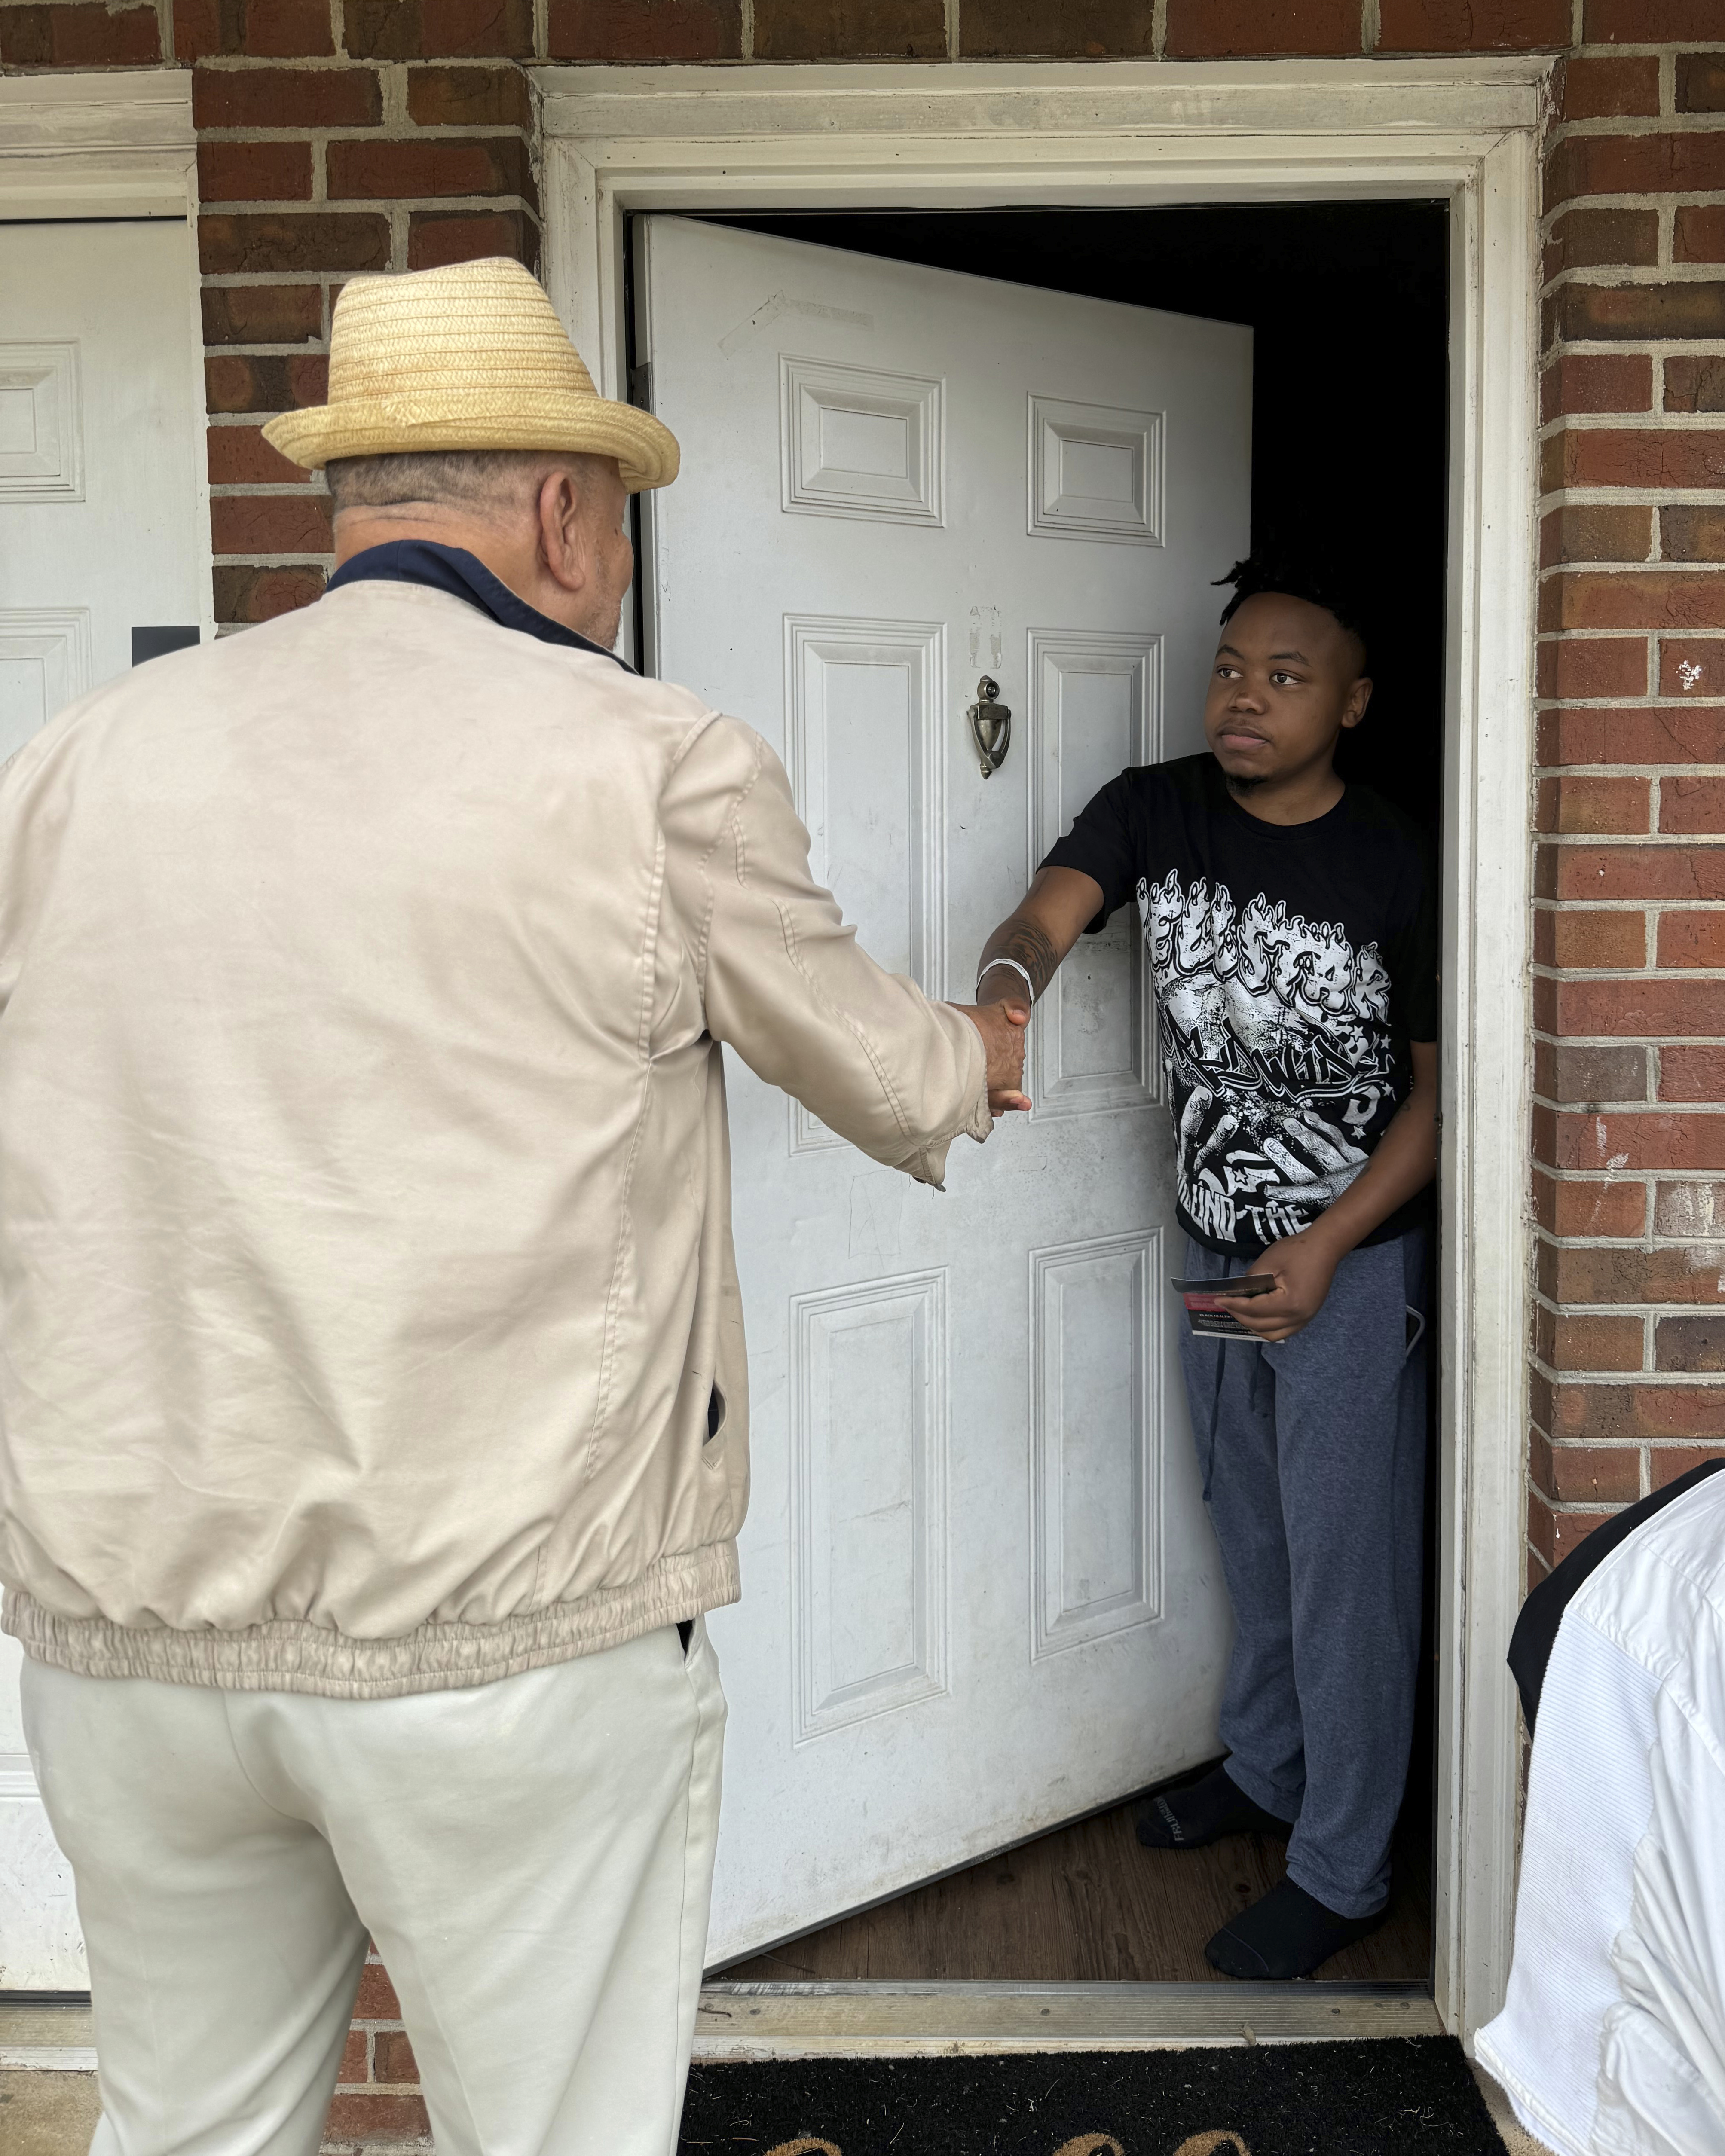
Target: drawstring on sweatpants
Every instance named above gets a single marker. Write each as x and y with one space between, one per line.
1209 1445
1257 1385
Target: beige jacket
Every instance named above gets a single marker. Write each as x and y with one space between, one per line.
365 1252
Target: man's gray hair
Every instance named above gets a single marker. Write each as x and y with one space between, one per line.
489 482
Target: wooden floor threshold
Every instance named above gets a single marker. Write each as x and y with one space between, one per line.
741 2022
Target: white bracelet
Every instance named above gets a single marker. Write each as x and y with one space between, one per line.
1015 967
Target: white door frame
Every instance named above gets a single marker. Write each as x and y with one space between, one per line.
106 146
962 136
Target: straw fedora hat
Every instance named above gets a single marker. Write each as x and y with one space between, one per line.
468 358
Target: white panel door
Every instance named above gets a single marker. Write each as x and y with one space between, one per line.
97 536
980 1595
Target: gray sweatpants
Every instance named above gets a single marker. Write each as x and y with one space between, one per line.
1314 1458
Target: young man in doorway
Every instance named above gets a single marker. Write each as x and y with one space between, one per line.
1290 939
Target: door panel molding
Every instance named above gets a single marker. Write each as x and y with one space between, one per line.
45 664
41 422
1069 1077
831 787
1095 1439
1096 472
1464 129
900 419
868 1529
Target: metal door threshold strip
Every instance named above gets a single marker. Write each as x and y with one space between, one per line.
857 2020
46 2034
741 2021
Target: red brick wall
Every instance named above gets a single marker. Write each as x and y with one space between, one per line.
340 135
1629 927
377 2096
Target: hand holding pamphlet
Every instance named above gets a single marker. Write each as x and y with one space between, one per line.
1207 1311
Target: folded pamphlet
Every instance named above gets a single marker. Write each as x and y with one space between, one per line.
1208 1314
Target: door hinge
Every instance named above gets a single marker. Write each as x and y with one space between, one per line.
641 386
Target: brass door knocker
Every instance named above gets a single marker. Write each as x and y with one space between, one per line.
990 726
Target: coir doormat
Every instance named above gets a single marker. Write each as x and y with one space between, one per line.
1408 2097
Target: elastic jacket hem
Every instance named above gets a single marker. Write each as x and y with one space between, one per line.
290 1655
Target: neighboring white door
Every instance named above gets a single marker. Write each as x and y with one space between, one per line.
980 1594
97 536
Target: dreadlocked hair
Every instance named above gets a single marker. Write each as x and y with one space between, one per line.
1320 586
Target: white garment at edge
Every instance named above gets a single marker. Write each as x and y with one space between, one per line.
533 1858
1612 2042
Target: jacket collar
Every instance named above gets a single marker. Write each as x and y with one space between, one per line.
463 576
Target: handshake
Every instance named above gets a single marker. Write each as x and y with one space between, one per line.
1020 960
1001 1023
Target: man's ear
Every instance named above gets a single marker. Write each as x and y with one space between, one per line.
1359 694
562 539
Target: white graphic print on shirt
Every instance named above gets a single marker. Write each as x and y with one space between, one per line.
1278 1054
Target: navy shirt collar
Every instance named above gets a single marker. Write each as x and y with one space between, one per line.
463 576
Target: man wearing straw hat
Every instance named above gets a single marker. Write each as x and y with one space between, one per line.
373 1392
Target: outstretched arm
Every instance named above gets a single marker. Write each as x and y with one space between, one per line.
1047 922
784 981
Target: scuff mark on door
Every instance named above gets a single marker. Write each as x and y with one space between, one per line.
770 310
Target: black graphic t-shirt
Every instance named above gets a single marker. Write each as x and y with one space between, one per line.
1291 965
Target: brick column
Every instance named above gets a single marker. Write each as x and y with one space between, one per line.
1630 988
361 136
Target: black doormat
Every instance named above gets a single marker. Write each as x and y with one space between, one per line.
1412 2096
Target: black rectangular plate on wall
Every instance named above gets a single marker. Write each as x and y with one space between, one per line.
152 642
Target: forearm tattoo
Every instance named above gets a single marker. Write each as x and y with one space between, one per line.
1020 939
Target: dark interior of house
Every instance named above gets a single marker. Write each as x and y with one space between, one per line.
1348 303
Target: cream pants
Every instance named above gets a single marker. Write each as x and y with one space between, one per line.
533 1857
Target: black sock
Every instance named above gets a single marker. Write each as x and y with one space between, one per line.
1202 1813
1286 1933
